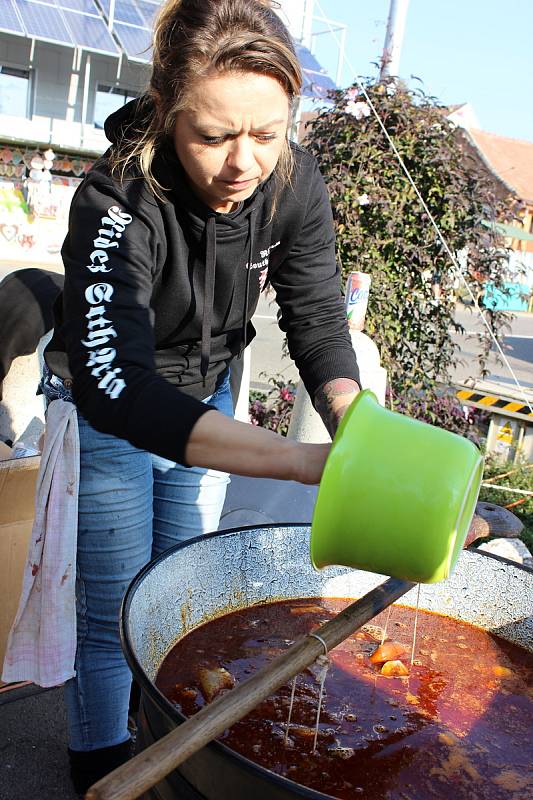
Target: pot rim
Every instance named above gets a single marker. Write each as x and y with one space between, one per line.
167 708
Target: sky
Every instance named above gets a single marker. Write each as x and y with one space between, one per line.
475 51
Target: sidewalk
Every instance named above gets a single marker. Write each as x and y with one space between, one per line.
33 744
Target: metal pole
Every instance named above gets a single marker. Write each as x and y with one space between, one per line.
340 61
111 17
307 23
85 101
390 60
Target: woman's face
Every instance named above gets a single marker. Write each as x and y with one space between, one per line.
230 136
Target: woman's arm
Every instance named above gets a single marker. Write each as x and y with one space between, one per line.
308 292
218 442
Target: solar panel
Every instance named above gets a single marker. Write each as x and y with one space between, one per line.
316 82
9 20
90 32
44 22
125 11
87 6
82 23
148 11
317 85
307 59
135 41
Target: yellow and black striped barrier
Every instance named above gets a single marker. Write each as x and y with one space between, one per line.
494 402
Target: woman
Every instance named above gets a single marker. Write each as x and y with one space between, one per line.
172 235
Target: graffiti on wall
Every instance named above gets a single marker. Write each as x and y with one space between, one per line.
33 223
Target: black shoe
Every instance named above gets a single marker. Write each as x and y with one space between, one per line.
88 766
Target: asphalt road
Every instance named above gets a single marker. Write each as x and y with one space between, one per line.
268 360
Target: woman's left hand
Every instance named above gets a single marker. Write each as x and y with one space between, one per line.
333 399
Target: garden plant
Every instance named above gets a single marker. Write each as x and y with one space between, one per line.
382 228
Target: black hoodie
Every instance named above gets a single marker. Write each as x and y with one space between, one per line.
159 296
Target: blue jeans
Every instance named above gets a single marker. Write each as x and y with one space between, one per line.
132 506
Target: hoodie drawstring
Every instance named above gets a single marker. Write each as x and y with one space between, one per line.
251 223
209 294
209 289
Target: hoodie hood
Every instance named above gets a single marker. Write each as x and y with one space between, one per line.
132 113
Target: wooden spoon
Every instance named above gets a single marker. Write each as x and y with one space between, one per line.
151 765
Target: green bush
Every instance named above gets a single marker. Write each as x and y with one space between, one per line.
441 407
382 229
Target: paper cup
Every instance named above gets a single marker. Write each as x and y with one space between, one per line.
397 495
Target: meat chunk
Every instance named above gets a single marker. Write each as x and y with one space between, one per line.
389 651
214 681
374 631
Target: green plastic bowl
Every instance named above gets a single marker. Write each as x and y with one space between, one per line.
397 496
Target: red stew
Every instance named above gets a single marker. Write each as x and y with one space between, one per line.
459 726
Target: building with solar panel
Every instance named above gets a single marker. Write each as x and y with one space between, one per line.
65 65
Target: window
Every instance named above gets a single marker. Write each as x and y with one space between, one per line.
14 91
109 99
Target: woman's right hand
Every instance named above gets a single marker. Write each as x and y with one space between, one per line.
310 460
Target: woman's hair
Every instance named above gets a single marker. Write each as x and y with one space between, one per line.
191 39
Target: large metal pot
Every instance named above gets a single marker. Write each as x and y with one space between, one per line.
224 571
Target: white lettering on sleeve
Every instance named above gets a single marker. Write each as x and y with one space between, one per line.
100 329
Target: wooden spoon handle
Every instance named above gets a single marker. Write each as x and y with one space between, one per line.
153 764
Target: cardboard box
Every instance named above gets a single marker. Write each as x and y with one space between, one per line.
18 478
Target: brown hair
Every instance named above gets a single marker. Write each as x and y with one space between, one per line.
191 38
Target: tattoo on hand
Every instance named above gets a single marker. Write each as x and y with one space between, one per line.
333 399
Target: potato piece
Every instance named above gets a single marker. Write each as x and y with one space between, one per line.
502 672
394 669
389 651
214 681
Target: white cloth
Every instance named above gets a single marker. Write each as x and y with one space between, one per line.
42 643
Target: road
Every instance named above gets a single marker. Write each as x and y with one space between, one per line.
518 348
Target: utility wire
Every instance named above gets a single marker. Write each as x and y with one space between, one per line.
423 203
